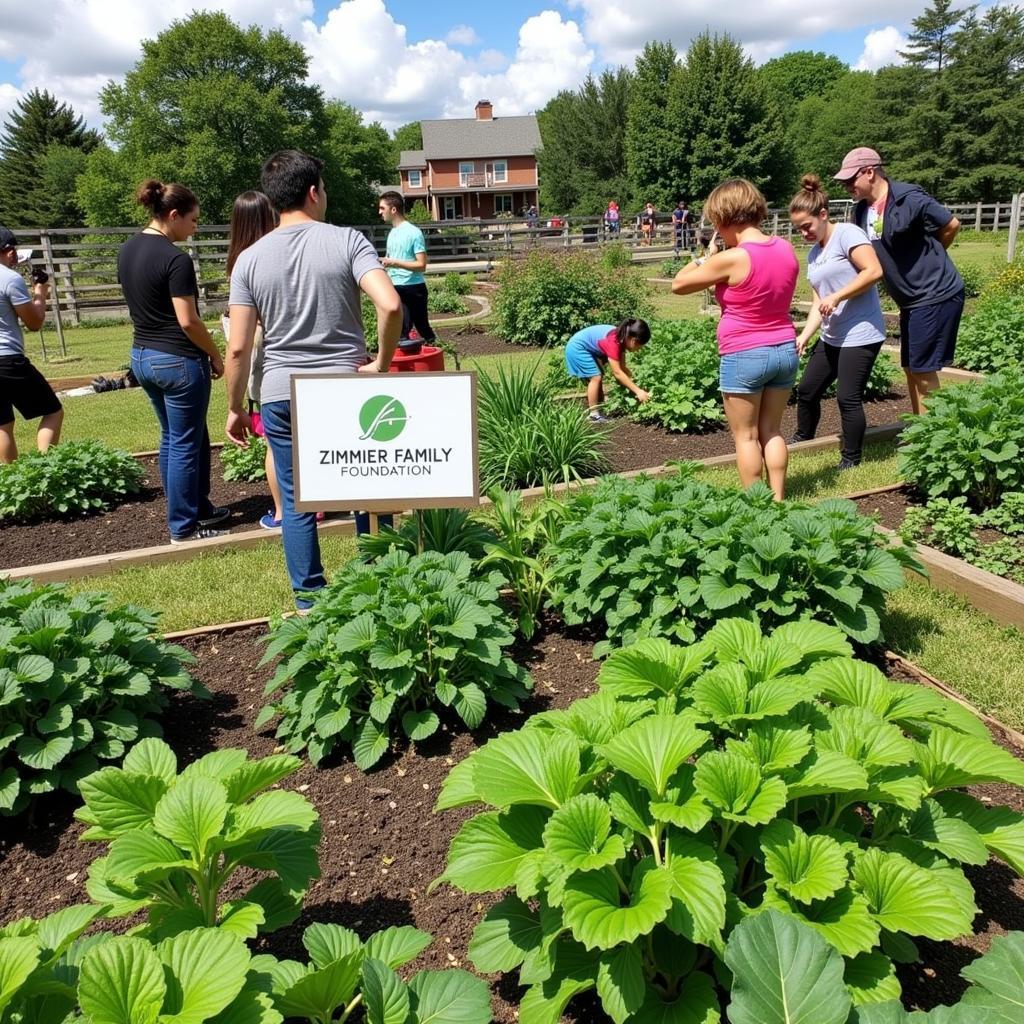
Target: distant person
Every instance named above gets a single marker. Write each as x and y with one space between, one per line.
405 262
590 350
754 279
611 218
532 216
173 356
22 386
302 282
910 232
648 220
679 218
844 273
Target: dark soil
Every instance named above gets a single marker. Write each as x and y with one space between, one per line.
383 845
140 522
474 339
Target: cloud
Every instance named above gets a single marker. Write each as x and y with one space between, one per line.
462 35
881 48
9 96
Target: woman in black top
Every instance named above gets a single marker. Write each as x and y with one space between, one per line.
173 355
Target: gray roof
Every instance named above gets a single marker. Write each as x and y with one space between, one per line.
411 160
453 138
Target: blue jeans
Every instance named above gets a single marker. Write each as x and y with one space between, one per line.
179 388
298 529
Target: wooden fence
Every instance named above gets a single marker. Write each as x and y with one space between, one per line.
82 262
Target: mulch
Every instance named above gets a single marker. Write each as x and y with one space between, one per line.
382 844
473 339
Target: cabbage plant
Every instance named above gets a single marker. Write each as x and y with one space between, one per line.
707 784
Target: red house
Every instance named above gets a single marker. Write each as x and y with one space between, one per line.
471 167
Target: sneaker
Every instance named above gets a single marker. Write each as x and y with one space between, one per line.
203 533
217 515
268 522
797 438
847 464
596 417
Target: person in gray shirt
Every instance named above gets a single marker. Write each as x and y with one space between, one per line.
302 282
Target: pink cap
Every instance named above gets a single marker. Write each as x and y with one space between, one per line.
856 160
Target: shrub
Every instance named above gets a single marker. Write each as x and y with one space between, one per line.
444 530
970 441
388 643
176 840
671 267
1009 281
615 256
457 284
70 479
446 302
884 375
78 680
704 785
992 337
526 438
549 296
974 278
1008 515
248 464
679 367
669 556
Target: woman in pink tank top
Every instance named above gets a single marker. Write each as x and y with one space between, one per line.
754 281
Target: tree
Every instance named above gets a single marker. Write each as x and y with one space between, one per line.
409 136
795 76
356 157
928 44
42 152
206 103
724 121
654 143
582 164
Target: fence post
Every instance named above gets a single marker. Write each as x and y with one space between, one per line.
76 317
1011 248
194 255
44 237
995 218
977 215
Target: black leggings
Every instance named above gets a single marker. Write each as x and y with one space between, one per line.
414 310
851 367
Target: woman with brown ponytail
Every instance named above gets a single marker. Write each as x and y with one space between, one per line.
843 271
173 355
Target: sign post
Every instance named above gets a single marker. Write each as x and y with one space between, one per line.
384 442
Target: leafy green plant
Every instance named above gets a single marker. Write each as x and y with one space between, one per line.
974 277
1003 557
78 681
526 438
672 555
671 267
679 367
457 284
883 376
945 523
970 442
71 479
248 464
1009 281
383 647
1008 516
446 302
991 338
548 296
345 973
444 530
177 840
705 785
615 256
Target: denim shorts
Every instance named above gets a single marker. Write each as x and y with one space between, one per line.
754 369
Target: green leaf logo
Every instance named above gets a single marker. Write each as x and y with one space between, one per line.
382 418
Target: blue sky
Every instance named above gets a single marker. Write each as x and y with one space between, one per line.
400 60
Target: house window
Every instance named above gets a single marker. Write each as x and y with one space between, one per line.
500 171
451 208
415 179
503 203
466 168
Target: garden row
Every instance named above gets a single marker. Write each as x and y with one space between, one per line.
692 830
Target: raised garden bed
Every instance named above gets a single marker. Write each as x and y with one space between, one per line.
382 844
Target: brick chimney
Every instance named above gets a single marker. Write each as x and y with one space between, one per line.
484 111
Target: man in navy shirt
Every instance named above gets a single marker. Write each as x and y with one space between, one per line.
910 232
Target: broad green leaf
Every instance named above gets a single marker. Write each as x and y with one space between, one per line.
44 754
251 1006
651 667
192 813
143 855
241 918
683 806
845 681
578 835
219 765
19 957
278 809
357 634
321 992
56 931
952 837
997 980
652 749
905 897
487 850
620 982
291 853
731 691
698 891
773 747
33 668
152 757
450 997
527 767
575 971
418 725
814 639
843 919
396 946
871 978
471 704
734 785
1001 830
122 982
326 943
594 910
864 736
120 800
734 640
209 967
807 867
280 906
509 931
826 773
104 891
10 787
784 973
458 788
951 759
371 744
385 996
253 776
697 1003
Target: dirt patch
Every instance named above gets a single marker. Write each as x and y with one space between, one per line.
474 339
889 507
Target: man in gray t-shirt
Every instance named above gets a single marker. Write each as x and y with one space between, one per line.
302 283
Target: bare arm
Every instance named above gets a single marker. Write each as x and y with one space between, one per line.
812 325
419 263
869 273
378 287
237 362
32 314
722 268
189 321
622 375
949 232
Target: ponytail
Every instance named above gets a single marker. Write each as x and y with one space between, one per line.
633 328
160 198
811 198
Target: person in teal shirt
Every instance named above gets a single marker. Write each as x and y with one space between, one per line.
405 262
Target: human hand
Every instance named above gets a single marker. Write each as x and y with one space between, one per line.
238 428
371 367
828 305
715 245
386 261
216 367
801 345
643 396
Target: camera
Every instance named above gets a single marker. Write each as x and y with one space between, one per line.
40 276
